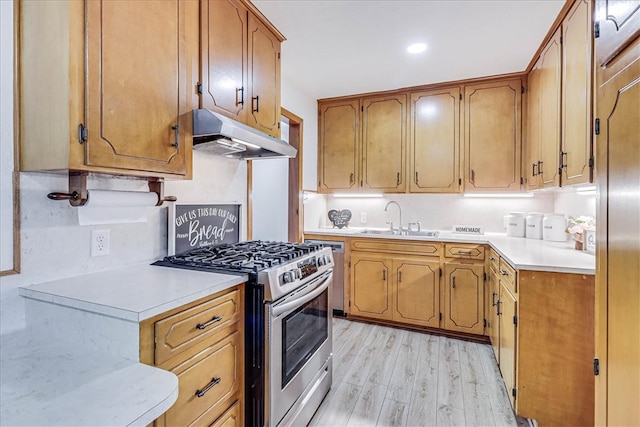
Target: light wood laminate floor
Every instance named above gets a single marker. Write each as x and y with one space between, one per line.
386 376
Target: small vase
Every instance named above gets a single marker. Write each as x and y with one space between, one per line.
579 245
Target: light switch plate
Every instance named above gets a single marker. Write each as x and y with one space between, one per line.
363 217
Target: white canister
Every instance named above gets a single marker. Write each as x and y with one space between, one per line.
553 228
534 225
516 224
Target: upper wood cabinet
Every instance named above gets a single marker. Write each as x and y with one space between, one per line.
617 25
577 70
384 143
362 144
492 136
434 141
338 145
240 64
106 114
543 126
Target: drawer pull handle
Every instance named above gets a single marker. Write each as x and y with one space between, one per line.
493 299
491 258
498 312
453 282
464 252
504 272
215 319
209 386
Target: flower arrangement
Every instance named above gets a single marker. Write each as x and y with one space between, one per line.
577 226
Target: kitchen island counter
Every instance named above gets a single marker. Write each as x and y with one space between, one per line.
77 362
521 253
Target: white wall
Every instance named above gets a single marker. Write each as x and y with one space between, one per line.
305 106
54 246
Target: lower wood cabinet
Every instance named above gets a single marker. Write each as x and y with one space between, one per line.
463 309
491 312
416 288
507 319
370 286
202 343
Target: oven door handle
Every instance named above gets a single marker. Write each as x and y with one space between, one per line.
303 299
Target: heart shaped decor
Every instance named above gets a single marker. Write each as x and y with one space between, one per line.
339 218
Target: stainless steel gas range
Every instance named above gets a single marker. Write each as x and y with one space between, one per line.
288 339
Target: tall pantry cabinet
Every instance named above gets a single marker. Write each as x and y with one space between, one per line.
617 363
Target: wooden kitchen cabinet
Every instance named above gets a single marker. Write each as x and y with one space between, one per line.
339 145
492 136
240 54
362 144
384 131
107 115
491 311
463 297
395 281
416 288
577 69
203 344
434 141
507 318
544 110
371 289
617 320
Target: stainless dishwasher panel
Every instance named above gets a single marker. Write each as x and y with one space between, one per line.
337 288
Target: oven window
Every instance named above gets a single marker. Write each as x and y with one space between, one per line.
303 332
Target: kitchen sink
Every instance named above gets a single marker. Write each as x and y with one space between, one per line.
423 233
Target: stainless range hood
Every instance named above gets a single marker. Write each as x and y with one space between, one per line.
220 135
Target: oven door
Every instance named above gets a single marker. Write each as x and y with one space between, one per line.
300 346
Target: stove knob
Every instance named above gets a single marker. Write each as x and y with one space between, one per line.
288 277
321 260
298 273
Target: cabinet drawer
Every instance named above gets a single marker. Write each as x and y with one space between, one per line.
184 330
508 275
406 247
464 251
494 260
231 418
207 382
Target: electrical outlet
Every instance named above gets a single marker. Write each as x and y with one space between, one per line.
363 217
100 242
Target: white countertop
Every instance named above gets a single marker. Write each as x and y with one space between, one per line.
44 384
132 293
49 381
521 253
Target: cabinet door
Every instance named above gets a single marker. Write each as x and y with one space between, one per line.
463 288
550 66
434 141
371 286
136 85
416 290
384 143
618 269
576 94
338 145
532 151
493 319
224 58
492 136
508 334
264 75
619 25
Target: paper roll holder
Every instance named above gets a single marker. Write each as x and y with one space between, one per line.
79 196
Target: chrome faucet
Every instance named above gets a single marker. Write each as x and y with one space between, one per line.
393 202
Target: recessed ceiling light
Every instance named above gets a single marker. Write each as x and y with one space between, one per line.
417 48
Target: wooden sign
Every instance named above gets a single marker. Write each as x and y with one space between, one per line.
340 218
195 226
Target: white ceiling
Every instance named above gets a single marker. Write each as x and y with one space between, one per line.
344 47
